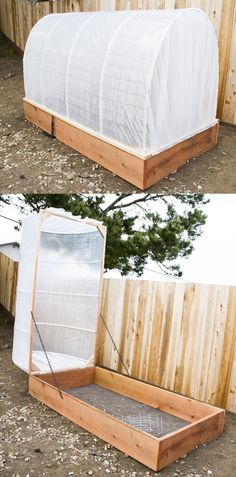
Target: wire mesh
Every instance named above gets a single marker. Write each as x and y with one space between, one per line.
143 417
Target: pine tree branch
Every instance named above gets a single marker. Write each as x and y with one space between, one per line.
111 206
146 198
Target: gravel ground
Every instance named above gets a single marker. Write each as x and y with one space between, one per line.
35 441
31 161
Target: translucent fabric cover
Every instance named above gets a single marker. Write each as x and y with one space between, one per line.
143 80
67 290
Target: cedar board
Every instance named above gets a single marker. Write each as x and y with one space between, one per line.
205 421
141 172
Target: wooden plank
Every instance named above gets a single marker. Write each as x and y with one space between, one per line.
162 164
122 163
174 337
38 117
217 344
229 108
71 378
225 41
101 331
194 336
105 348
182 361
186 350
167 295
227 355
137 444
153 371
32 366
103 232
184 440
142 173
153 396
8 283
231 402
140 328
153 452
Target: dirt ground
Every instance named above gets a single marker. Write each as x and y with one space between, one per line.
35 441
31 161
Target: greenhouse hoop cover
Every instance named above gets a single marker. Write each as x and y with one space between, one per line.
144 80
60 273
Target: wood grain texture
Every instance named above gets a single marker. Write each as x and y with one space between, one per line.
177 336
38 117
231 401
187 342
227 45
142 173
71 378
120 162
171 159
181 442
221 12
8 283
135 443
153 452
175 404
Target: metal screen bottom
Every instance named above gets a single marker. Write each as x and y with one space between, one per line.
143 417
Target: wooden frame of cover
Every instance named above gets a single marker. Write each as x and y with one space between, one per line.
141 172
43 214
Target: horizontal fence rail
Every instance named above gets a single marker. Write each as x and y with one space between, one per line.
175 335
17 17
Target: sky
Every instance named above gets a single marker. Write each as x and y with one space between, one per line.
213 260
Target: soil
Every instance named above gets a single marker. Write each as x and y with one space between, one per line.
31 161
35 441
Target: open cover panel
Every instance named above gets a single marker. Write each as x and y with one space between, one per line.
61 266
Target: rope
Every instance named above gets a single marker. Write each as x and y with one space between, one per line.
114 344
45 352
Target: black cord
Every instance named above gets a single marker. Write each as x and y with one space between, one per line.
45 352
114 344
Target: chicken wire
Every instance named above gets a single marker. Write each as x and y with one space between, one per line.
67 289
144 80
143 417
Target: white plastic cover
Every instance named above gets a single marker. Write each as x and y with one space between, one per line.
143 80
67 290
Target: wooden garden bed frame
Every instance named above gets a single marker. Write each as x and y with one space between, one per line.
142 172
205 421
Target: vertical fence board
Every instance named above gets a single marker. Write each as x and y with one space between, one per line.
175 335
8 281
231 401
179 336
225 42
229 109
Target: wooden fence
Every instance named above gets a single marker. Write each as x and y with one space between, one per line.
8 282
17 17
175 335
